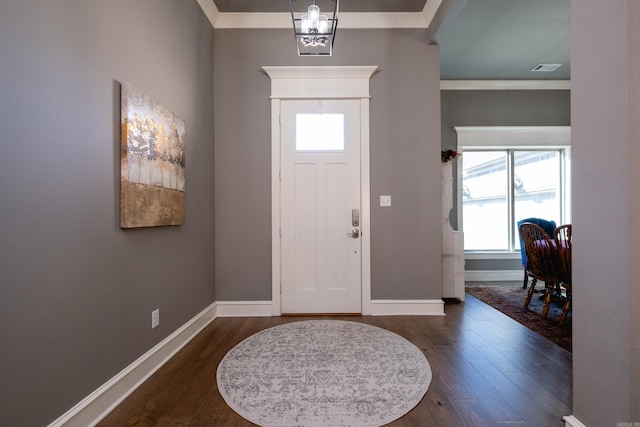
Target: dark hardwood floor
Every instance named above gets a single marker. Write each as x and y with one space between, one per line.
488 370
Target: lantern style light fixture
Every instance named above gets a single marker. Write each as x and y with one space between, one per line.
313 31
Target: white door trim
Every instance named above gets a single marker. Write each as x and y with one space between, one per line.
315 83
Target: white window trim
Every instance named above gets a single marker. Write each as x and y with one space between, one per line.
508 137
513 136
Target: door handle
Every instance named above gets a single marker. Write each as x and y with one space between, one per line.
355 233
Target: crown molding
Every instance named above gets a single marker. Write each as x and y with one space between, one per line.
348 20
505 85
430 10
210 10
228 20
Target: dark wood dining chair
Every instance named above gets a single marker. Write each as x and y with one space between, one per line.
562 237
542 262
548 226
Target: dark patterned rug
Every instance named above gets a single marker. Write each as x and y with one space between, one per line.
509 299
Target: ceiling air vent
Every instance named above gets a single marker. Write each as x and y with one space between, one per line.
546 67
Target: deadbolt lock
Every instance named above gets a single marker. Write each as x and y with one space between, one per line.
355 233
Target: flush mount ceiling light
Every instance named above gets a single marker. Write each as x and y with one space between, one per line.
546 67
313 31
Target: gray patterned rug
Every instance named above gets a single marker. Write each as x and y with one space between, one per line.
323 373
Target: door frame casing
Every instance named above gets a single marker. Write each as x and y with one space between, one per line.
329 82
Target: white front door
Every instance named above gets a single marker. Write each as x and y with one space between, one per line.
320 206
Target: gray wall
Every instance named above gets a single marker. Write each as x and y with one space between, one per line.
605 68
76 291
500 108
405 145
492 264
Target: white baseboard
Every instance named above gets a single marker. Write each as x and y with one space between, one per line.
244 308
571 421
407 307
98 404
103 400
493 275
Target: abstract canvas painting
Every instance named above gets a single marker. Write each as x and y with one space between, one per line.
152 162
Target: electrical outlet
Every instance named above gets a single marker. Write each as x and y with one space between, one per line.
155 318
385 201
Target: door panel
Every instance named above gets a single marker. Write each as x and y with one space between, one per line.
320 186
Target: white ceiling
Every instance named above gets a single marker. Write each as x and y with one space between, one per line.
479 39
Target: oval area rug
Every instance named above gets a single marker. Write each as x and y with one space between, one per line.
323 373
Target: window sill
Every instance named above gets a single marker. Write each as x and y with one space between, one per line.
491 255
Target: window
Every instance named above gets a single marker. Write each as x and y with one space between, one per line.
484 200
501 184
320 132
502 187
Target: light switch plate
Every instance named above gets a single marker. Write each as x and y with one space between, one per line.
155 318
385 201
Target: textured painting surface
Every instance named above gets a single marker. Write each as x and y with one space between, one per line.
152 185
